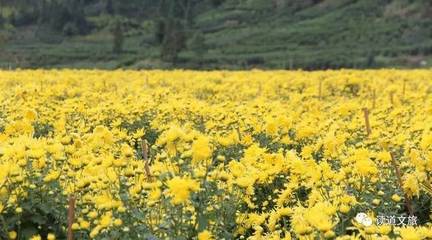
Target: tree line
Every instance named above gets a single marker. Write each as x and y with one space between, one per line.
173 19
174 27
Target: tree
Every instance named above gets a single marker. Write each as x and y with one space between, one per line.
187 7
2 19
109 7
12 18
175 20
197 45
3 41
370 60
118 38
77 15
216 3
66 16
43 12
160 31
173 41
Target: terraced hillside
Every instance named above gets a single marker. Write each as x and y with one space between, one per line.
234 34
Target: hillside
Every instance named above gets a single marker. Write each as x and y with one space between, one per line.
237 34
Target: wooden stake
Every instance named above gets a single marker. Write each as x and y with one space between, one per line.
144 147
320 89
239 134
367 123
259 89
399 177
373 99
71 217
391 97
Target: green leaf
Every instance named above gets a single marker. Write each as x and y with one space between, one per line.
202 222
38 219
28 232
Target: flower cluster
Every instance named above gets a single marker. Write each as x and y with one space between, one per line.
215 155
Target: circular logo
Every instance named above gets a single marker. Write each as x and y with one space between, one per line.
364 219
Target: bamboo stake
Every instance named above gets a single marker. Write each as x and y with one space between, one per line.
399 177
367 123
70 217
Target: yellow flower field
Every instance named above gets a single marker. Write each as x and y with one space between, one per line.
216 155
